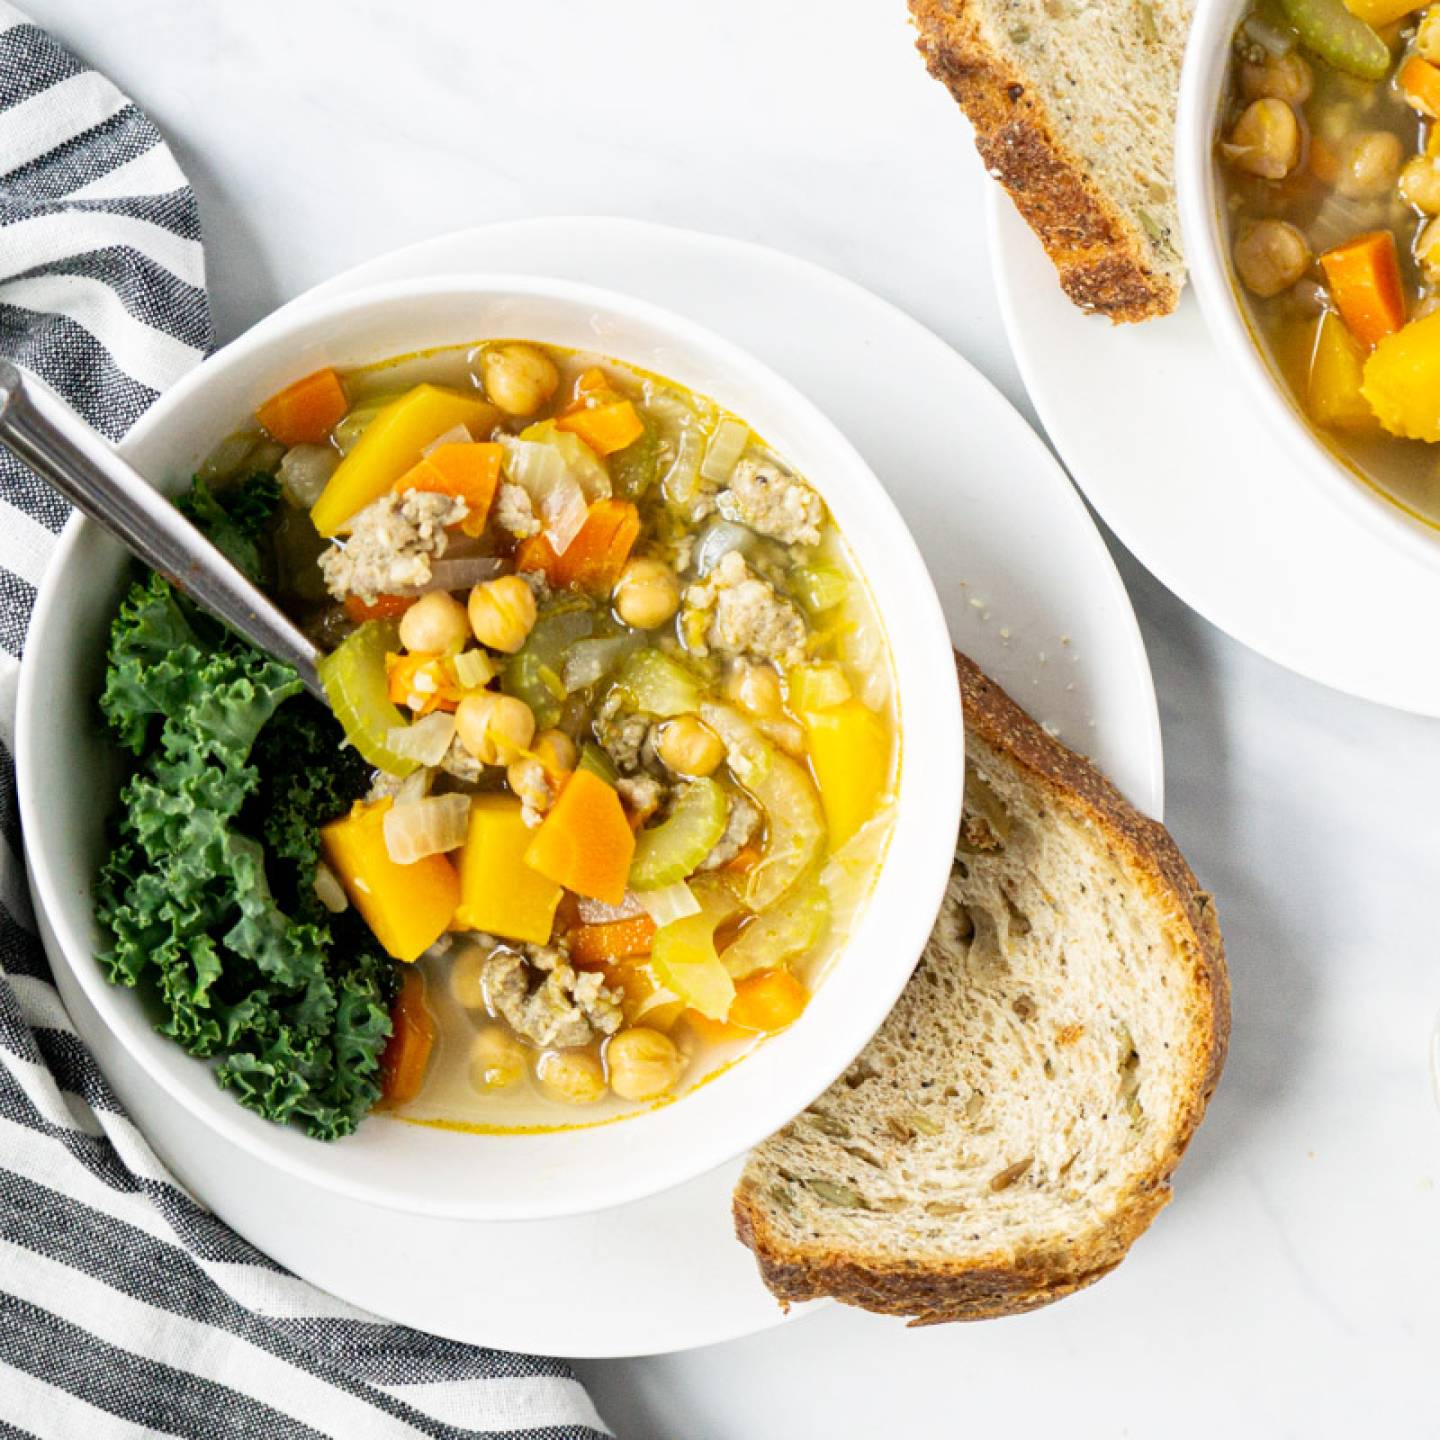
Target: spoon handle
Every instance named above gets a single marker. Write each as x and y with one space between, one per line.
95 480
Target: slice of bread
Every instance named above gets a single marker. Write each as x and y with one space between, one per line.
1073 104
1014 1124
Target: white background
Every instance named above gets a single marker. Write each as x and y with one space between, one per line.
1293 1288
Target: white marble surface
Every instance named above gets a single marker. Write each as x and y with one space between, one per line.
1293 1288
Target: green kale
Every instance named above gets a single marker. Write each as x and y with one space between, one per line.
238 525
207 896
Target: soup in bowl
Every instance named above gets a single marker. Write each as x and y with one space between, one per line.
614 780
1309 167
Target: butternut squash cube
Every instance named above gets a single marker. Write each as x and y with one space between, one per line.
499 892
850 754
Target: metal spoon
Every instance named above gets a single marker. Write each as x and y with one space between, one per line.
74 460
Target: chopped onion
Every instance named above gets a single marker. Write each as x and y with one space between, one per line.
540 468
415 786
473 669
328 889
457 574
587 661
426 740
426 827
668 903
305 471
597 912
1277 42
455 435
726 446
229 456
682 481
716 541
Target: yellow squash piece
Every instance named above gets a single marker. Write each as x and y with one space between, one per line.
1337 369
499 892
391 445
409 907
1379 13
850 755
1402 380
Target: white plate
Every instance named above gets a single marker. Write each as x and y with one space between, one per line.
1029 591
1182 467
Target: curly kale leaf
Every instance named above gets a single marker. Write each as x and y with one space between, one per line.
207 895
237 523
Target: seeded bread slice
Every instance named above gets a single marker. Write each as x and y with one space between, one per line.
1073 105
1013 1126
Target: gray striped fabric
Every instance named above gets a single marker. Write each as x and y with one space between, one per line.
125 1308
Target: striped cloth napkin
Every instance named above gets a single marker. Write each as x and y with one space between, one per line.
126 1309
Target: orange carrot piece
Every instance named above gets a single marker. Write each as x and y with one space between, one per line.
714 1032
306 412
614 940
406 1056
605 428
470 470
1420 81
383 607
768 1001
745 859
585 842
588 382
596 555
430 678
1364 279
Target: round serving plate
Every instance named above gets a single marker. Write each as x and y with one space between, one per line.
1169 448
1029 591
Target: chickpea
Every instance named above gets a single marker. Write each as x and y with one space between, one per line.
502 613
528 781
689 747
1270 256
1420 184
464 977
494 728
647 594
518 378
1265 140
1427 250
497 1059
1369 162
1427 37
434 625
573 1076
755 688
1282 77
555 750
643 1063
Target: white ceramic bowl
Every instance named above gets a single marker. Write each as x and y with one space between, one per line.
67 768
1207 253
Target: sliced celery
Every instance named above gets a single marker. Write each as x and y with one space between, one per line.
655 684
816 687
1337 36
818 587
782 933
359 692
795 831
671 850
636 468
597 762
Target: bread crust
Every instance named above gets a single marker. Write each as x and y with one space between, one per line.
1005 1283
1104 265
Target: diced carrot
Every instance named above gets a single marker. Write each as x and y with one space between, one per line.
745 859
1364 279
714 1032
427 678
306 412
469 470
585 842
767 1001
614 940
406 1056
1420 81
589 382
605 428
596 555
383 607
